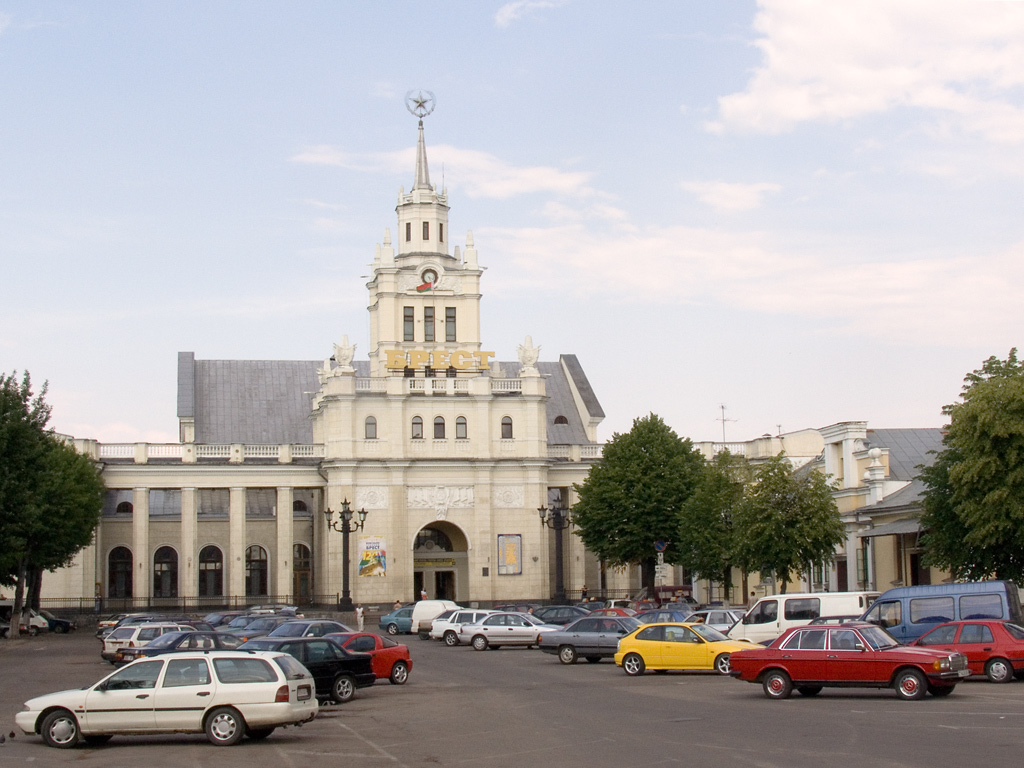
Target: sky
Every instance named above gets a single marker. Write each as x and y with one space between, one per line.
805 212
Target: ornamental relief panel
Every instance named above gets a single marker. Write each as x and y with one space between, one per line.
508 496
371 497
440 498
444 283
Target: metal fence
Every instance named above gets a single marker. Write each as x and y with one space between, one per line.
182 604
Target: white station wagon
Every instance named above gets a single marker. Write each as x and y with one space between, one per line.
224 694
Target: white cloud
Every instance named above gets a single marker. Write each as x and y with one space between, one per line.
961 62
5 22
516 10
479 174
725 196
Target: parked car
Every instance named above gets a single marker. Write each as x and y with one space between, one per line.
855 654
663 615
677 646
993 648
151 618
224 693
183 641
337 672
260 626
446 626
517 607
239 622
559 614
397 622
307 628
908 612
390 660
841 619
221 618
613 612
721 619
31 622
425 611
592 637
770 616
500 629
58 625
135 636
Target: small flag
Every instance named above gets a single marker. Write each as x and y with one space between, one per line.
425 287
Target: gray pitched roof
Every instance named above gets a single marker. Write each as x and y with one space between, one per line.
908 448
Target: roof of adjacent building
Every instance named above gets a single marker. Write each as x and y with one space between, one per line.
908 449
268 402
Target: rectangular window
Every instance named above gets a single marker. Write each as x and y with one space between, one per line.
118 502
931 610
213 502
409 332
449 324
981 607
426 230
428 323
803 609
440 231
408 231
260 502
165 503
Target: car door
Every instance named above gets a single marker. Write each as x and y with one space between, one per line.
520 631
683 649
608 636
849 659
976 642
183 695
125 701
804 655
583 636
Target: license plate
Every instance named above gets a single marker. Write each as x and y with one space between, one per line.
303 692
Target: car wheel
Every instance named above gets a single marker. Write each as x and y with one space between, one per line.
777 684
999 670
34 631
258 734
722 664
451 639
480 643
633 664
60 629
567 654
60 730
225 727
808 690
343 689
593 659
424 635
392 629
399 673
910 685
940 690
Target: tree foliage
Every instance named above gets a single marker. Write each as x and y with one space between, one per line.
633 496
707 523
974 499
787 522
50 495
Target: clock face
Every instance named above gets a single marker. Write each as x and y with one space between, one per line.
429 276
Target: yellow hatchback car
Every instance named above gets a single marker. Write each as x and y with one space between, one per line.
677 646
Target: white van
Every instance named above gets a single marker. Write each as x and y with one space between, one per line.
31 621
770 616
424 613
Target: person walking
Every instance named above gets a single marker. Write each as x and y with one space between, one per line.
359 617
583 593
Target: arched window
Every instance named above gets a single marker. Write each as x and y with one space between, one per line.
255 571
460 428
299 506
302 572
124 508
439 427
432 540
119 572
506 427
370 429
417 428
211 572
165 573
561 420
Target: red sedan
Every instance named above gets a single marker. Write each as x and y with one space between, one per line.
993 648
390 660
809 658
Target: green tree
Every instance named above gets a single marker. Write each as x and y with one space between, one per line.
706 536
974 497
633 496
50 495
787 522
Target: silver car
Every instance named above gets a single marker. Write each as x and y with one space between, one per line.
721 619
504 628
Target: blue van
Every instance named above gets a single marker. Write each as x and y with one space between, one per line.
909 612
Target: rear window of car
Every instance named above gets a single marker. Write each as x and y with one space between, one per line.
1017 633
244 671
803 609
931 609
292 667
981 607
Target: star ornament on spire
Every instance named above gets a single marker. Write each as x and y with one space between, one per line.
420 103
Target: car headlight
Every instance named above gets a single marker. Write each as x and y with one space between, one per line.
943 665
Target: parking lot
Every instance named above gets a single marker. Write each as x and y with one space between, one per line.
522 707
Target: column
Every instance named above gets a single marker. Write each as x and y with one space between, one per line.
188 556
141 556
285 540
235 571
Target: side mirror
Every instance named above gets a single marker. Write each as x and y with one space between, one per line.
860 647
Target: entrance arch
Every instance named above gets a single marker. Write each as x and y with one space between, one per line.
440 555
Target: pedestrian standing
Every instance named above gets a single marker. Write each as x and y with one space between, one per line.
583 593
359 617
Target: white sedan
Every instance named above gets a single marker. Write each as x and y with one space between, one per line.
505 628
224 694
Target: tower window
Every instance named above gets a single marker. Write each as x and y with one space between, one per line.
408 231
417 428
370 428
440 231
460 428
506 427
561 420
428 323
449 323
426 230
409 331
439 428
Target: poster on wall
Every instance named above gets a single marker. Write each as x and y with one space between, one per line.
373 557
510 554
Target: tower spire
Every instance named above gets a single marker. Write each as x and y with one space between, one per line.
422 171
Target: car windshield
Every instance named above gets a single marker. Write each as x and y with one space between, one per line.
241 622
878 638
260 624
289 629
710 634
531 618
630 623
47 615
168 640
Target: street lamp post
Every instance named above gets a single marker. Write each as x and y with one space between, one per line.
557 518
345 526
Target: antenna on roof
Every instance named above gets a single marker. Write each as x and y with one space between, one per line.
724 420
